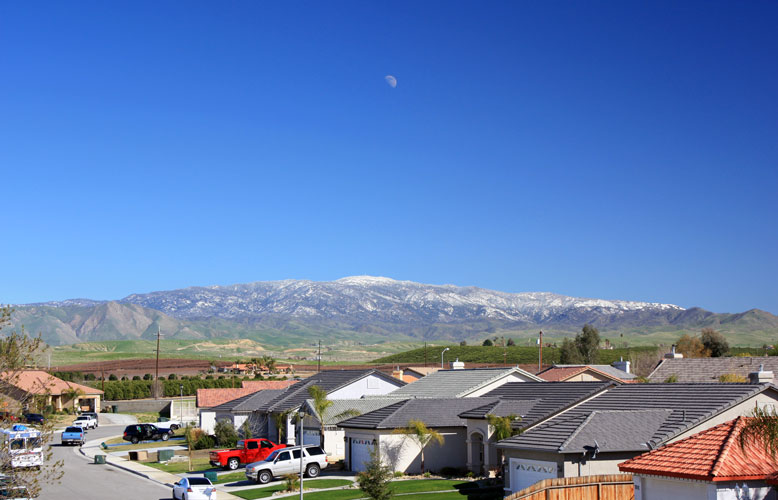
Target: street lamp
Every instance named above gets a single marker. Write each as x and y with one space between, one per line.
181 404
441 356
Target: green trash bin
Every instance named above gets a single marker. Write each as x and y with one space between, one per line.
164 455
99 459
211 476
114 409
103 446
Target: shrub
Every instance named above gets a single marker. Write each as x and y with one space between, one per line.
291 482
136 377
148 376
205 442
427 474
470 474
374 480
113 377
225 433
732 377
172 376
398 473
671 379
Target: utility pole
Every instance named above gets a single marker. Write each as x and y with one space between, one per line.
425 354
156 369
540 352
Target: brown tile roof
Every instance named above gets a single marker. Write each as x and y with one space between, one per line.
208 398
711 455
563 373
41 382
710 369
560 373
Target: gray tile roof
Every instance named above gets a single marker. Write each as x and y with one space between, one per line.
249 402
688 406
616 430
457 383
339 406
710 369
534 401
433 412
329 380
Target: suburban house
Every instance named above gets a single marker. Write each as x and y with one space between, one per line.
238 411
337 384
208 399
530 402
710 465
463 383
593 437
587 373
710 369
340 410
29 388
380 428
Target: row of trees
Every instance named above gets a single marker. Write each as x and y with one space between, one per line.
139 389
710 344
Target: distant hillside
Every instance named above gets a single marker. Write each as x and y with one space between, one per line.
370 309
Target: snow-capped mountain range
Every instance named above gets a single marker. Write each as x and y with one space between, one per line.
375 298
360 308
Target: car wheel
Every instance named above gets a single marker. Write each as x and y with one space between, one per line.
134 440
264 477
233 463
174 427
165 436
312 470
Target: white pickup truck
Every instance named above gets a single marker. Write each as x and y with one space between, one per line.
85 422
170 425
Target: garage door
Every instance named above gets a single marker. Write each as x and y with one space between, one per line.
525 473
312 437
360 453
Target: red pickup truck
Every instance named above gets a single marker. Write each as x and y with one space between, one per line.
248 451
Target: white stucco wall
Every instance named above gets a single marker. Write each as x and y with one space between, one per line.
660 488
366 386
403 454
513 377
207 421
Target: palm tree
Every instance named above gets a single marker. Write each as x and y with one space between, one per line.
321 406
421 435
280 420
502 428
761 428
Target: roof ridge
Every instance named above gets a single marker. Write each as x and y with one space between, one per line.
577 430
734 428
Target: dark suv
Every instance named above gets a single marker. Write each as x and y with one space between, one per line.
145 432
34 418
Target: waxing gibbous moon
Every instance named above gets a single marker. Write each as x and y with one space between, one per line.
392 81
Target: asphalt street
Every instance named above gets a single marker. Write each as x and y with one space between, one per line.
84 480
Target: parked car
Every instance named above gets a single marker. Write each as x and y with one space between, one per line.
194 488
144 432
93 414
85 421
34 418
247 451
73 435
171 425
7 416
287 461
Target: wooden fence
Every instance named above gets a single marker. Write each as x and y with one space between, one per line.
604 487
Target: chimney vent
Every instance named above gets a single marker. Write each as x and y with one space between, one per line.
673 354
622 365
457 365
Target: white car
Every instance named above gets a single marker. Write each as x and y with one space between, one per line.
194 488
170 425
287 461
85 422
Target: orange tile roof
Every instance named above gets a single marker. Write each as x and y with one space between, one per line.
261 385
208 398
41 382
711 455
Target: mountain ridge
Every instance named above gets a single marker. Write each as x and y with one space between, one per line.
361 307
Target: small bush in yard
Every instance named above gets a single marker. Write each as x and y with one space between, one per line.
374 481
427 474
291 482
398 473
225 433
205 442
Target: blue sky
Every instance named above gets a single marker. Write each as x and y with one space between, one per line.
603 149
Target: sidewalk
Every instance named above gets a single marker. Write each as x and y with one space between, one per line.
92 448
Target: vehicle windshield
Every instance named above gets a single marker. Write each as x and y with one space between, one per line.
17 444
73 429
33 443
272 456
82 418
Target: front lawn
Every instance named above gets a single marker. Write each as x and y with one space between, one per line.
198 465
413 486
307 484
